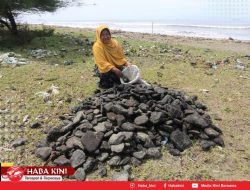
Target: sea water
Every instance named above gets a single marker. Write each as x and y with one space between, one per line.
195 18
239 32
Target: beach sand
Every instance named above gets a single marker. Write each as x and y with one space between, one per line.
237 46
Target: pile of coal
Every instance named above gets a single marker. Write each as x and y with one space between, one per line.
126 124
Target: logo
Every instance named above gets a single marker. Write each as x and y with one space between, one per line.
165 185
195 185
35 173
15 173
132 185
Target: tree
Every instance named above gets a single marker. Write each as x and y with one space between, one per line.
10 9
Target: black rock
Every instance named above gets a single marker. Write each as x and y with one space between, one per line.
128 136
63 149
141 120
140 128
142 136
42 143
78 117
54 134
120 119
174 152
189 111
117 148
90 117
160 90
156 117
108 134
206 144
111 116
104 146
175 112
144 107
216 128
153 153
65 129
100 127
103 156
114 161
91 140
19 142
78 158
85 125
200 105
149 143
108 106
166 99
167 128
62 161
43 152
80 174
35 125
135 162
116 139
118 109
74 142
211 132
203 136
219 141
108 125
75 109
139 155
180 140
131 103
128 126
194 132
196 120
124 161
90 164
79 133
102 171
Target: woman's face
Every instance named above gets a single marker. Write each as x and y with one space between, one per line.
105 36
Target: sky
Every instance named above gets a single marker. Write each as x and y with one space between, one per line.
227 11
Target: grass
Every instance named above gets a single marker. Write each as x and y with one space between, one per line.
164 64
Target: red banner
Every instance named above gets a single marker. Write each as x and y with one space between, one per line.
134 185
42 170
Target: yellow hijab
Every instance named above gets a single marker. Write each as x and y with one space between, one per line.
107 56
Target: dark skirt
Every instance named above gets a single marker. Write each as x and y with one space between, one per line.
107 80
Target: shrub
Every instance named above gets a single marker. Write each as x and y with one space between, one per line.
24 36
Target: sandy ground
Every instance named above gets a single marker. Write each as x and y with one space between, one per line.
217 44
237 46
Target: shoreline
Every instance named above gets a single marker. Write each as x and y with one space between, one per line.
235 46
237 32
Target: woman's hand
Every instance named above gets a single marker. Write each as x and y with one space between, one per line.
117 72
127 64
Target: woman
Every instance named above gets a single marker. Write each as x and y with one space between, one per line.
109 58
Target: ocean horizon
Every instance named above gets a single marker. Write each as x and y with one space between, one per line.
193 18
207 30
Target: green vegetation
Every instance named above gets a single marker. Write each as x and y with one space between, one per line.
10 9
